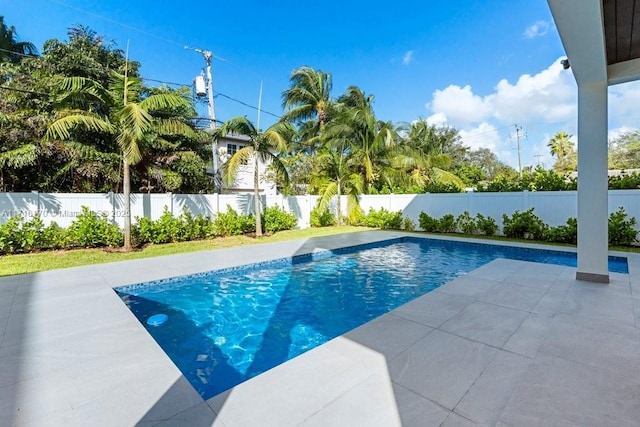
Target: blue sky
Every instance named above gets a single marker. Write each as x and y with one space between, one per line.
480 66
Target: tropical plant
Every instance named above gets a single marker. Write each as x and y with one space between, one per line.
423 155
562 148
308 97
334 177
264 147
132 120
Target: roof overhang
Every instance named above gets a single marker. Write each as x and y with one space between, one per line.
601 38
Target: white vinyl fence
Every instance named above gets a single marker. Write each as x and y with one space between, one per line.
553 207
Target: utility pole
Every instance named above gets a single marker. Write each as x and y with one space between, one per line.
538 156
518 129
208 55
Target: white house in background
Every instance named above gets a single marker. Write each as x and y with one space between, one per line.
227 147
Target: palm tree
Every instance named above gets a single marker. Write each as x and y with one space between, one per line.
334 177
11 50
422 155
121 111
264 148
562 148
308 103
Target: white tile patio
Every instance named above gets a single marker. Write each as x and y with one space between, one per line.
512 343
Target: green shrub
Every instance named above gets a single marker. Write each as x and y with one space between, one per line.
143 231
90 230
277 219
563 233
408 224
231 223
54 237
10 235
437 187
486 225
466 223
447 224
427 223
525 225
322 218
168 229
382 219
622 231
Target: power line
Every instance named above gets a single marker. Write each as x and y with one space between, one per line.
23 91
18 53
216 95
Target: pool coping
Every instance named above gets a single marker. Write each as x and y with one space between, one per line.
59 369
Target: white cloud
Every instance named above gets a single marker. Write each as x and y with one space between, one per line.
437 119
485 135
460 105
537 29
548 97
407 57
543 104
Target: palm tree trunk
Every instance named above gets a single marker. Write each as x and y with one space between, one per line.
256 192
126 188
338 204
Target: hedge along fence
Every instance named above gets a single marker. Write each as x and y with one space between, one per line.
552 207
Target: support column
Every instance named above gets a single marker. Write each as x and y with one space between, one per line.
593 202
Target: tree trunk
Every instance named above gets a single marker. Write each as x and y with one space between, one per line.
338 205
126 187
256 192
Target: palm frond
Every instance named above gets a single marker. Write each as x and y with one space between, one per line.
240 158
173 127
165 101
26 155
62 128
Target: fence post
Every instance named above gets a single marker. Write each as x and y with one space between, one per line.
113 206
170 194
525 200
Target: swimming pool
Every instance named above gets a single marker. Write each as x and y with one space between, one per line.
226 326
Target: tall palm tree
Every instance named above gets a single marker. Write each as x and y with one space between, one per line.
121 111
264 148
562 148
11 50
308 103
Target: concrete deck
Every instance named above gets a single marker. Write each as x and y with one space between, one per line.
510 344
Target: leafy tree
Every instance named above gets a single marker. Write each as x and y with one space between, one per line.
624 151
562 148
264 148
479 165
12 50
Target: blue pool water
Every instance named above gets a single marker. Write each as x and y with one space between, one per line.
226 326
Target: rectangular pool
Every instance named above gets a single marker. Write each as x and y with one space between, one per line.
225 326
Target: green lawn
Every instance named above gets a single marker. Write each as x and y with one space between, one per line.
49 260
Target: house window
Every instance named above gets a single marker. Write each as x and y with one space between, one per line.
233 149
